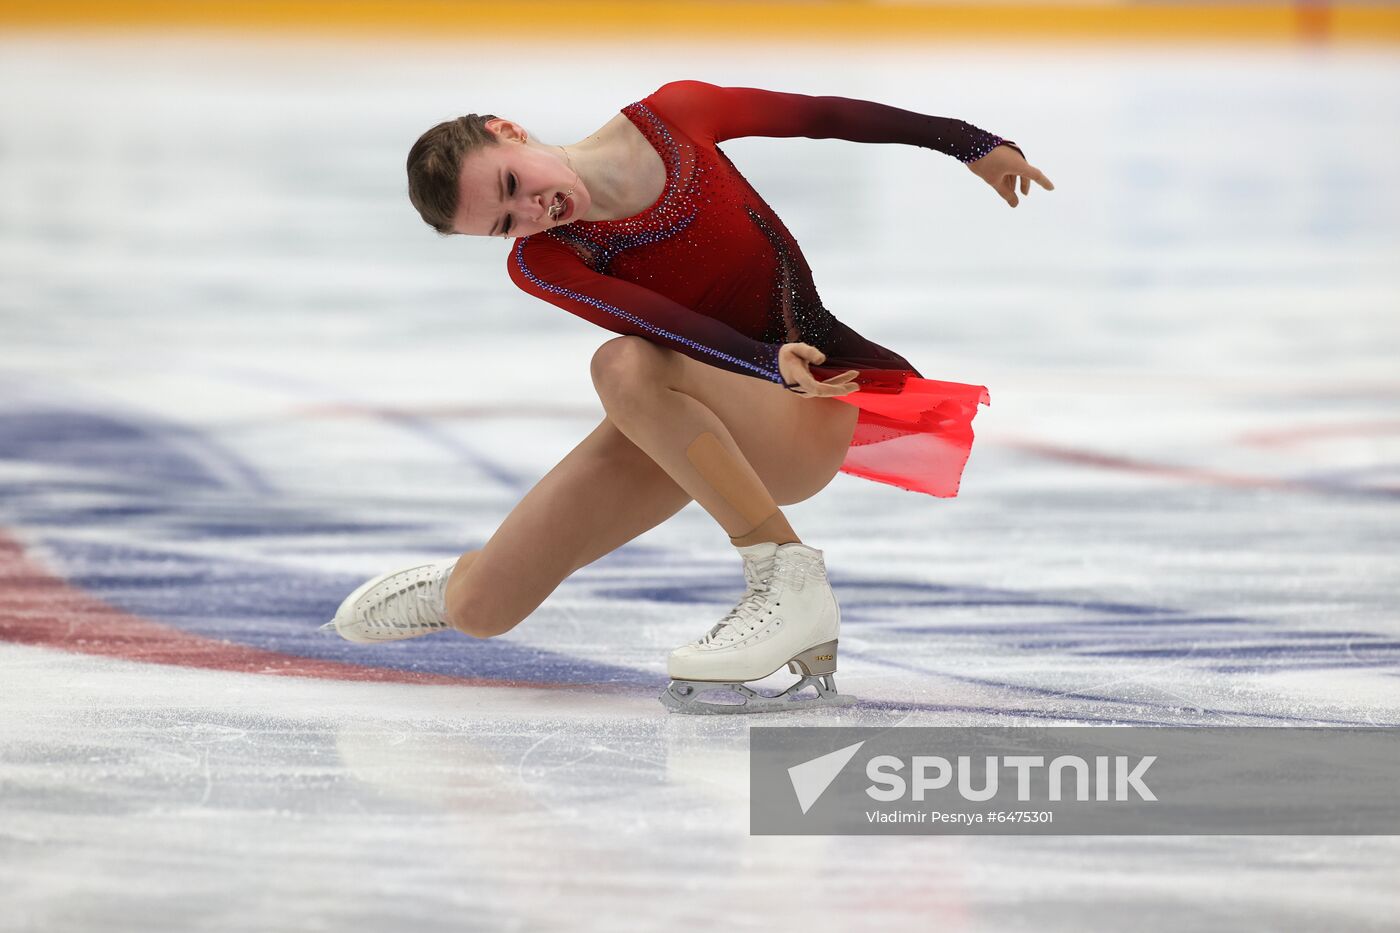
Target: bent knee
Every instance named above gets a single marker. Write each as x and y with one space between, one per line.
626 361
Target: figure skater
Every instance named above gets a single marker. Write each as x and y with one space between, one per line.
730 384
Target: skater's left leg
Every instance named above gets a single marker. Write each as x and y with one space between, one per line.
739 446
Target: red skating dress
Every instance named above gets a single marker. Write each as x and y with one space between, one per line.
710 271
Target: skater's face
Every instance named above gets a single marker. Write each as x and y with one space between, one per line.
508 190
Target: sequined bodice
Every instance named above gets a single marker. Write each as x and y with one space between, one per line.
756 277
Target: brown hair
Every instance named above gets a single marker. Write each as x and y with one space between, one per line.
435 164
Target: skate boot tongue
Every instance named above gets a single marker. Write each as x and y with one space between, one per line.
758 560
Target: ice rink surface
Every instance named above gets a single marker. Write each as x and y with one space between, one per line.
238 376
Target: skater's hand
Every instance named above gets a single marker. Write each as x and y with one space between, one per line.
793 362
1002 167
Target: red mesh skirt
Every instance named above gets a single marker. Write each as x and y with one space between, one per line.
913 433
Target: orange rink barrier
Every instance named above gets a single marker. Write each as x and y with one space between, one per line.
836 20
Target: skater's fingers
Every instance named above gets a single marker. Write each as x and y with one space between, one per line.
1007 189
843 384
810 388
1025 185
836 385
1044 182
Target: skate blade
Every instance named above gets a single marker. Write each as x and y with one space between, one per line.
329 628
684 696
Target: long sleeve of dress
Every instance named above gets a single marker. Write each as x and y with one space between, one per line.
555 273
732 112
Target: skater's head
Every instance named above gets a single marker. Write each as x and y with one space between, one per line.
480 175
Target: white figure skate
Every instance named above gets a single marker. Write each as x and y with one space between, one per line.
396 605
788 616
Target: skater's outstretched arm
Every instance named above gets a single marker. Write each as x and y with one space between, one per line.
728 112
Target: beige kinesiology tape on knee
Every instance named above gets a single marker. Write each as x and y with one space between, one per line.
726 475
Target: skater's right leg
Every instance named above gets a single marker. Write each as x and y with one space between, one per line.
603 494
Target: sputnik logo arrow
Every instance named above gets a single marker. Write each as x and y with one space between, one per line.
811 778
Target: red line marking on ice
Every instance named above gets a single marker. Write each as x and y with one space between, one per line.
40 608
1302 435
1108 461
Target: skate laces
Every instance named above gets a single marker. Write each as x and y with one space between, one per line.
740 620
414 605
